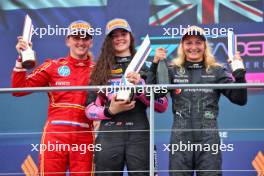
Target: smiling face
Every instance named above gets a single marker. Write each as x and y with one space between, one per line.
79 45
193 48
121 42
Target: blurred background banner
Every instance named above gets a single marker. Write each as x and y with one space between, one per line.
164 12
164 21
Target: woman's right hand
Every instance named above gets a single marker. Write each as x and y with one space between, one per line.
160 54
22 45
120 106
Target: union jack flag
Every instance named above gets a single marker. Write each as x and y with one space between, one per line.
205 11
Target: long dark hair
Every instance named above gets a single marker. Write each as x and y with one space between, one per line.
102 70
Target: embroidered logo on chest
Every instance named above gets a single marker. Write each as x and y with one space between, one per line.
64 71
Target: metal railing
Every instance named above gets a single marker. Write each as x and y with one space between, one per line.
150 89
169 86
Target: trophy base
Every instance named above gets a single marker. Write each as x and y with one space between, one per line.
28 58
28 64
124 95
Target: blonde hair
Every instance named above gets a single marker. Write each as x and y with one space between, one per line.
208 57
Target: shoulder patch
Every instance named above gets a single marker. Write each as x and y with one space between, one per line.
61 61
41 68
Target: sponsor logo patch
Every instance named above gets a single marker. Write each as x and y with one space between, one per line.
64 71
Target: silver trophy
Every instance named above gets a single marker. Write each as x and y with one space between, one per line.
232 49
135 65
28 55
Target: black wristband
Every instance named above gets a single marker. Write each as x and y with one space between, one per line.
107 112
239 75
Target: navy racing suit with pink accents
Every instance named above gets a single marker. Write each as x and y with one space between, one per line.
129 145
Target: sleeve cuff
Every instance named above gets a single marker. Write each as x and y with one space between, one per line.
107 113
154 67
18 66
239 75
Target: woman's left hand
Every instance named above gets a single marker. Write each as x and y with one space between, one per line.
236 57
133 77
236 63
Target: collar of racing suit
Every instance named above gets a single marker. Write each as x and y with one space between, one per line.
120 66
125 59
194 65
79 62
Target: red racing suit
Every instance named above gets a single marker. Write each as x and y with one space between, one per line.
66 114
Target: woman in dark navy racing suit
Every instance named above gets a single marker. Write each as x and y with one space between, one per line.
196 109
